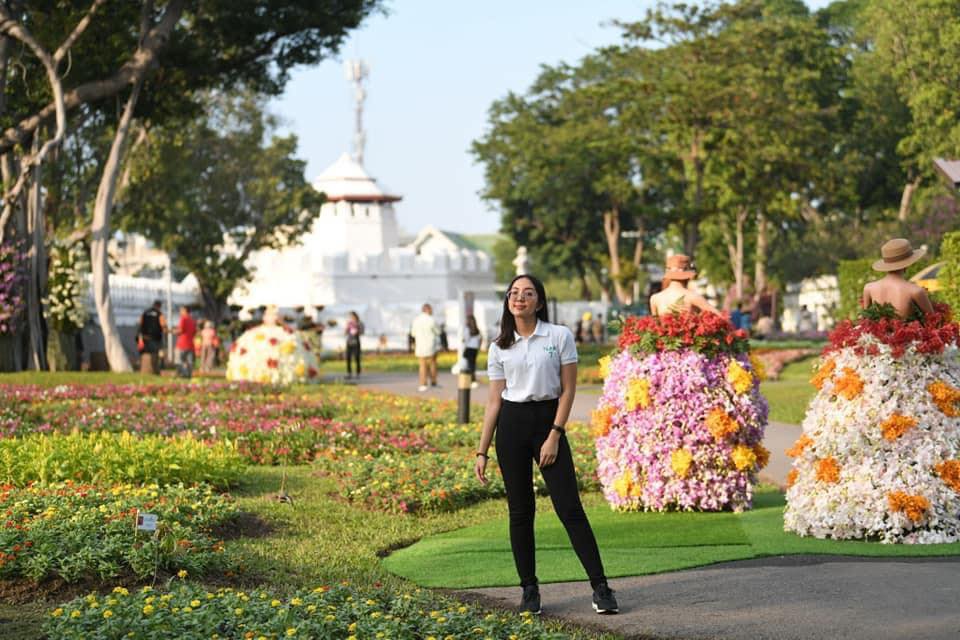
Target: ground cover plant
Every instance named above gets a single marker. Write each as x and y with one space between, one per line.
78 531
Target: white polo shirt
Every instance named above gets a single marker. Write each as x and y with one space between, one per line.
531 366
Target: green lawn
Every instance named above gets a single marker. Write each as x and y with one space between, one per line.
631 544
790 395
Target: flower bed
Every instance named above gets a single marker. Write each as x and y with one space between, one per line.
681 419
75 531
190 612
880 450
111 457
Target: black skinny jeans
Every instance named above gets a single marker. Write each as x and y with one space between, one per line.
353 351
522 428
470 355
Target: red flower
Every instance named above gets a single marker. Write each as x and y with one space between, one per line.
272 363
273 342
930 336
311 373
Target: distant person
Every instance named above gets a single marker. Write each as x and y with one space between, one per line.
596 329
805 322
209 342
585 323
736 316
471 347
353 331
426 337
150 332
444 343
186 331
578 332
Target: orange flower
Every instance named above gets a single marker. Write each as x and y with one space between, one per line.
849 385
828 470
792 477
949 472
763 455
802 443
721 424
945 396
915 507
823 373
601 419
897 425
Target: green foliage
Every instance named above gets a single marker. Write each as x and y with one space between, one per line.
110 457
852 275
211 191
76 531
949 274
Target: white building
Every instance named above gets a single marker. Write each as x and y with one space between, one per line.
352 259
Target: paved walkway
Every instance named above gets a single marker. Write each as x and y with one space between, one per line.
783 598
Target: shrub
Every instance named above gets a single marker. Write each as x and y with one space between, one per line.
852 275
949 275
112 457
74 531
191 612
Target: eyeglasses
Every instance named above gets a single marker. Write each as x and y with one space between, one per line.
526 295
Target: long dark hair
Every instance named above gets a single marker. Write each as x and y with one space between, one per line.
472 325
508 325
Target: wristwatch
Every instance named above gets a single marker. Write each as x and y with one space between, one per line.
559 429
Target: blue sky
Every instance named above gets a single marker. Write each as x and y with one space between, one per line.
436 67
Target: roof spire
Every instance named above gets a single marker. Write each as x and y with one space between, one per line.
357 72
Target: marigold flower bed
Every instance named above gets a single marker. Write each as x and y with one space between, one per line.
190 612
77 531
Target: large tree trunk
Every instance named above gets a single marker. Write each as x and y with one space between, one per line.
37 264
611 229
760 266
116 355
906 199
691 235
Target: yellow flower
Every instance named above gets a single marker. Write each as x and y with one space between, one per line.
275 603
301 369
291 631
604 365
759 369
743 457
601 419
186 610
259 337
108 614
75 614
57 612
238 611
194 603
182 573
147 610
739 378
626 486
680 461
296 602
121 591
638 394
721 424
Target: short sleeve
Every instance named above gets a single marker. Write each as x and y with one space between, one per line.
495 364
568 347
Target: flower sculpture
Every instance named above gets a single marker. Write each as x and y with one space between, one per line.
273 354
880 451
681 418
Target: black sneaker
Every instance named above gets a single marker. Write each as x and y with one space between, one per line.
603 600
531 599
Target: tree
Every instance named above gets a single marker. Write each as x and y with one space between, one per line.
212 190
204 45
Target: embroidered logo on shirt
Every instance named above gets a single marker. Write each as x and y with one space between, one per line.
551 350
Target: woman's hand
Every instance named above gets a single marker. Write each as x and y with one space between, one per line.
480 468
548 452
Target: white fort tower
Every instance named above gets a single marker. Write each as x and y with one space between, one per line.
352 257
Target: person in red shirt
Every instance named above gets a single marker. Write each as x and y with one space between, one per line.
186 331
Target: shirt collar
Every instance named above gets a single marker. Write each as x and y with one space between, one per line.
539 330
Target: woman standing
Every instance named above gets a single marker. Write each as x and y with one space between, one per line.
532 367
675 296
471 347
353 332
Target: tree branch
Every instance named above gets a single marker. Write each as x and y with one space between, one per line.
77 31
